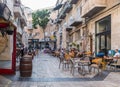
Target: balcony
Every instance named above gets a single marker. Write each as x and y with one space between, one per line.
62 16
67 8
57 21
68 28
76 21
17 3
17 11
23 20
29 27
91 7
73 1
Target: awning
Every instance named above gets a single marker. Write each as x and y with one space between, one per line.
3 23
57 7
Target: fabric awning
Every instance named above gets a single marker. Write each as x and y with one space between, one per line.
3 23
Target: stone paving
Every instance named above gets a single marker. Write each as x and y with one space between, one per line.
47 74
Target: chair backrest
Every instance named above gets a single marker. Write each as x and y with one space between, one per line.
97 61
67 56
118 61
87 59
61 58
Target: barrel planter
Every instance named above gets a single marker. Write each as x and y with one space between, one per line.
26 66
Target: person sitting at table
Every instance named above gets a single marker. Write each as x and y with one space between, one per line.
79 54
115 57
67 56
71 53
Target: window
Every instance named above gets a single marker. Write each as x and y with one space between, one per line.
71 38
77 35
103 35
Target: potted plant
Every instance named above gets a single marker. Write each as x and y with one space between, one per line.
10 30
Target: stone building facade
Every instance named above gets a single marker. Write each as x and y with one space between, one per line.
90 25
12 23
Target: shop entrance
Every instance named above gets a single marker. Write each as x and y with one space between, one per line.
103 35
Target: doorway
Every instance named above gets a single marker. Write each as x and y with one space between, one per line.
103 35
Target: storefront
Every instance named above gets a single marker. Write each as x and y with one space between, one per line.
33 44
103 35
7 42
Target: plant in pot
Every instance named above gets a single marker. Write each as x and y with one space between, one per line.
10 30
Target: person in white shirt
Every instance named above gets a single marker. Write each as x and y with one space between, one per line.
114 58
117 54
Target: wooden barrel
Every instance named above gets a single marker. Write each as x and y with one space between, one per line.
31 54
26 66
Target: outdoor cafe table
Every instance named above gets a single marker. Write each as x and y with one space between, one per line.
81 64
108 60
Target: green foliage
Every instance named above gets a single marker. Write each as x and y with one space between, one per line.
41 18
74 44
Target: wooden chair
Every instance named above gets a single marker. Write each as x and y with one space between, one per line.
79 64
74 65
115 64
96 65
64 60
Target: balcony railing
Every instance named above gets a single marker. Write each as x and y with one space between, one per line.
17 3
62 16
17 11
67 8
73 1
57 21
92 7
76 21
68 28
29 27
23 20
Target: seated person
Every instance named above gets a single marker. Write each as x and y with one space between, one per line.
72 54
67 56
115 57
79 54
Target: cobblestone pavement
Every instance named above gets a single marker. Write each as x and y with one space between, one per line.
47 74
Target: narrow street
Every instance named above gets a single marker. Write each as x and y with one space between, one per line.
81 35
47 74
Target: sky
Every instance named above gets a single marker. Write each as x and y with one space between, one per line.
38 4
